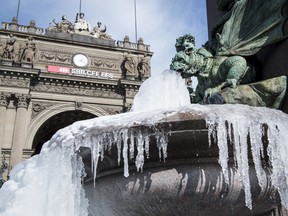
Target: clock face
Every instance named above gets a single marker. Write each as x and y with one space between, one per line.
80 60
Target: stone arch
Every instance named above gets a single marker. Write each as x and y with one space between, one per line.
55 110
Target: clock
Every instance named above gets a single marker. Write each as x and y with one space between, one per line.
80 60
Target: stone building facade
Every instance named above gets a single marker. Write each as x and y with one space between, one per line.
54 77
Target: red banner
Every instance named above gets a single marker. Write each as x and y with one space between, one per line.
57 69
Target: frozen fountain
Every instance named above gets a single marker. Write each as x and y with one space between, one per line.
174 159
169 157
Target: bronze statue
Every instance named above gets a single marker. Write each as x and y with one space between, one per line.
224 73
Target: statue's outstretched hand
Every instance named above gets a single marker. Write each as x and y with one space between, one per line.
210 91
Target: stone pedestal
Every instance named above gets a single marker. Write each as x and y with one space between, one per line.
189 182
7 62
25 64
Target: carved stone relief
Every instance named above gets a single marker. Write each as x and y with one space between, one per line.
5 99
22 100
77 91
78 105
105 63
112 110
38 107
55 56
14 83
131 93
19 51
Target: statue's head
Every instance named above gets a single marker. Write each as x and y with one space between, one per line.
185 43
64 17
180 62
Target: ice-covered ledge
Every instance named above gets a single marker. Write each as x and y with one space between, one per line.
190 180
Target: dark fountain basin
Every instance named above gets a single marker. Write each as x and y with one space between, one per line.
189 182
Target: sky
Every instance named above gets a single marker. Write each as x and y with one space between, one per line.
159 22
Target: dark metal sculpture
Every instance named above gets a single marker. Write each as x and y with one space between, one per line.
224 73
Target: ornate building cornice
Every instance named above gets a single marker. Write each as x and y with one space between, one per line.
14 83
105 93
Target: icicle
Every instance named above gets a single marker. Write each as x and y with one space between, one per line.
101 145
162 143
279 177
211 131
241 131
125 152
110 141
256 134
221 129
139 162
117 140
81 203
131 146
95 156
147 143
223 148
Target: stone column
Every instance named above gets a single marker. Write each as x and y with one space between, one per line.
20 128
4 102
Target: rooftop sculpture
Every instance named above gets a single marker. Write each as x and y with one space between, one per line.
80 26
224 73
